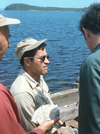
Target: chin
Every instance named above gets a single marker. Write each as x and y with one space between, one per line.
44 73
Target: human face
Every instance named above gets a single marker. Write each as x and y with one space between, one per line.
4 43
37 66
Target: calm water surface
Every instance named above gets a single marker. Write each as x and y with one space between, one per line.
65 45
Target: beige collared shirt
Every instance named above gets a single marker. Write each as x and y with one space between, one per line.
29 95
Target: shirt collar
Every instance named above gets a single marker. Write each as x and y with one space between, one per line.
96 48
30 79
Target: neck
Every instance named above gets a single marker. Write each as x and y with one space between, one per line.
34 76
95 40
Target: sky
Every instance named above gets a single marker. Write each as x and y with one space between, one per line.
51 3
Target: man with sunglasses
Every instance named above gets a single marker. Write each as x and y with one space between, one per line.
9 114
29 89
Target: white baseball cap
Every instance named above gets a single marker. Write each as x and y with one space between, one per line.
8 21
27 45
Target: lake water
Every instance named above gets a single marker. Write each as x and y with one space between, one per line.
65 45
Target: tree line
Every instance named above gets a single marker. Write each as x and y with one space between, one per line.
29 7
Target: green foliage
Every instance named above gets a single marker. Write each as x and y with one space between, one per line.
29 7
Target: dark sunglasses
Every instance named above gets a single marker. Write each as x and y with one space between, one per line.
42 57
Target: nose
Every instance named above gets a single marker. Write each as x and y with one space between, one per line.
46 61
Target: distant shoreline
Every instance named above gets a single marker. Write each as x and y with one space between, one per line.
26 7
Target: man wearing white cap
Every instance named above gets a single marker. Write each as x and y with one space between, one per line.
9 114
29 89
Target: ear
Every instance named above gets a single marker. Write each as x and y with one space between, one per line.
86 33
27 61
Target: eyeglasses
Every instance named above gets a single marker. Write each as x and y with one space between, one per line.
42 58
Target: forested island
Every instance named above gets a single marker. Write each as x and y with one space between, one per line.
38 8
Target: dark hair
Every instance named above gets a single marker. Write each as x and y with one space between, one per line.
31 53
91 19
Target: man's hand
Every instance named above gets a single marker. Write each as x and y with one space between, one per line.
48 124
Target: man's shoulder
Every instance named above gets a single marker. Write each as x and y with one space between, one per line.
19 85
19 81
4 89
93 59
4 92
